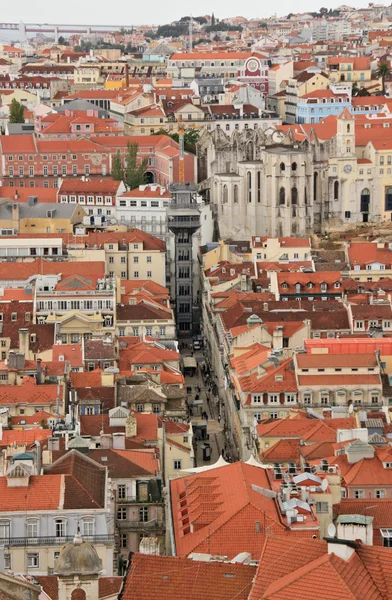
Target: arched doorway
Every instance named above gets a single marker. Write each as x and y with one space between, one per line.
78 594
365 204
149 177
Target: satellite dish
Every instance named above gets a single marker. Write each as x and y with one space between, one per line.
331 530
324 485
350 409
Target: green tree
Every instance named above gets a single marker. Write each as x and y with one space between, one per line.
212 19
323 11
16 112
363 92
383 72
134 174
117 167
62 41
191 137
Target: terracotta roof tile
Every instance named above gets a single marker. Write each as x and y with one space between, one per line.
173 577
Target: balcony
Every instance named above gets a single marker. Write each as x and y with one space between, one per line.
136 499
140 525
53 541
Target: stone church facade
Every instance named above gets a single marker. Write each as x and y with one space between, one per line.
272 183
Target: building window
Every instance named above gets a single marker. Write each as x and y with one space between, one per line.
380 493
32 529
143 514
122 513
88 527
61 528
33 560
123 540
359 494
121 492
282 196
336 190
249 178
4 530
235 194
388 198
177 465
321 507
365 200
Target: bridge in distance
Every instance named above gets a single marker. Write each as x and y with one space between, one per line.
59 28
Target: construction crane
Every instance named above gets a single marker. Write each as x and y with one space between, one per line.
181 168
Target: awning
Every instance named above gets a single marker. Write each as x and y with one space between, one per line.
189 362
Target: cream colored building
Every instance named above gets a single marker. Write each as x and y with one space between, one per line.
178 452
35 217
146 318
127 255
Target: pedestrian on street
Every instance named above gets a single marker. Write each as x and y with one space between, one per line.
208 400
219 418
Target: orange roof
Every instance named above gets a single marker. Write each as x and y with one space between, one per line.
281 556
44 492
71 353
339 380
40 266
148 191
248 361
222 506
87 379
173 577
24 436
28 393
336 360
276 379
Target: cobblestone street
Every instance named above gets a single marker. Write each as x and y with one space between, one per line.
203 402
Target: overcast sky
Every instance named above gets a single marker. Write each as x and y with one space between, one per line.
117 12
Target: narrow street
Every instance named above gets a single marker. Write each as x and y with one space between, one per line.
204 409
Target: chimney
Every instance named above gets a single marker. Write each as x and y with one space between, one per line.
16 360
131 426
15 212
342 548
39 371
24 343
54 444
118 441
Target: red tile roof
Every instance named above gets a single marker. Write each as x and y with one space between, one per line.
281 556
364 253
40 266
222 505
44 492
29 393
172 578
336 360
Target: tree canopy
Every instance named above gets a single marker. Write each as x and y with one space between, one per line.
191 137
16 112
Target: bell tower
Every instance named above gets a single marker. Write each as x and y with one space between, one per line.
345 135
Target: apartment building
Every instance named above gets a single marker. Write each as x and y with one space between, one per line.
39 514
329 380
